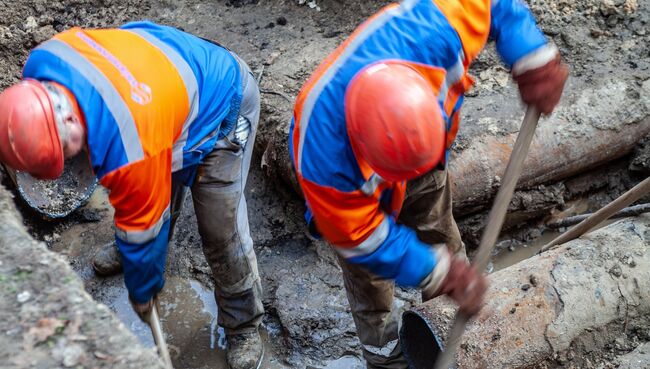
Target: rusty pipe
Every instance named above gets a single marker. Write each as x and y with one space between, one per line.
539 306
556 153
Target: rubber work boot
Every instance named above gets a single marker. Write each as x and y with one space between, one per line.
107 260
245 351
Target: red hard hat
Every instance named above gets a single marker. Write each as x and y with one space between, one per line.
394 121
29 138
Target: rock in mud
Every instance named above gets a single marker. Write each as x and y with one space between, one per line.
316 316
641 157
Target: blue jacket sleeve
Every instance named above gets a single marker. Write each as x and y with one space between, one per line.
144 265
514 30
401 257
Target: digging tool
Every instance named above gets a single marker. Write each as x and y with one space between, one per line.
601 215
626 212
495 221
156 329
57 198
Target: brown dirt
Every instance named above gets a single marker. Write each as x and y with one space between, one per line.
283 41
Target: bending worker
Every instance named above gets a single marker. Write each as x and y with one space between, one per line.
369 141
158 110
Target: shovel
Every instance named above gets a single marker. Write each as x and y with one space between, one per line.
156 329
493 228
57 198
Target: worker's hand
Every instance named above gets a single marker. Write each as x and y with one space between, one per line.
462 283
142 309
542 86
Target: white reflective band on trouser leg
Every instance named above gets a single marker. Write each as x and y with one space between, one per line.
371 243
241 131
146 235
381 351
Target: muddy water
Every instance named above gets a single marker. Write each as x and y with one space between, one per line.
507 257
188 313
187 308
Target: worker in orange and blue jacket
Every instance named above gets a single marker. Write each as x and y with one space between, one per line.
369 141
157 110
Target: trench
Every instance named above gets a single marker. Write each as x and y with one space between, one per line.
187 306
308 324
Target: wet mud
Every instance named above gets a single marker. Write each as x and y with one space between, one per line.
308 324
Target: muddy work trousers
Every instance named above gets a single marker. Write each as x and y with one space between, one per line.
427 209
222 217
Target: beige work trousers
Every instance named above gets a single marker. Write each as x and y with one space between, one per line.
427 209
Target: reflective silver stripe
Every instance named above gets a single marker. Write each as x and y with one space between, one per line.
370 186
371 243
454 74
111 97
191 85
535 59
145 235
433 281
311 99
382 351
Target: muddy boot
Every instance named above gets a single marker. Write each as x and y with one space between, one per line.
107 260
245 351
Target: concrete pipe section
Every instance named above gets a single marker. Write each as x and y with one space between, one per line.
539 306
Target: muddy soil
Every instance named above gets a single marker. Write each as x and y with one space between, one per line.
308 323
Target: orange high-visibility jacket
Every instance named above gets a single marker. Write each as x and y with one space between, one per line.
349 204
155 101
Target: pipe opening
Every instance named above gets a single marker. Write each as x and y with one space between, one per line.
420 344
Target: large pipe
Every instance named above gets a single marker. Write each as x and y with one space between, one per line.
558 151
540 305
554 155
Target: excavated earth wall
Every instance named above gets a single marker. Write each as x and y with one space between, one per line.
47 320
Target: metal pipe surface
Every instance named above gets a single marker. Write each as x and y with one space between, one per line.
555 154
541 305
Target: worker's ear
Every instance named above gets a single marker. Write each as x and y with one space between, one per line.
75 137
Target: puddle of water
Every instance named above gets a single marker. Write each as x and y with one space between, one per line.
122 308
80 240
506 258
188 313
188 310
